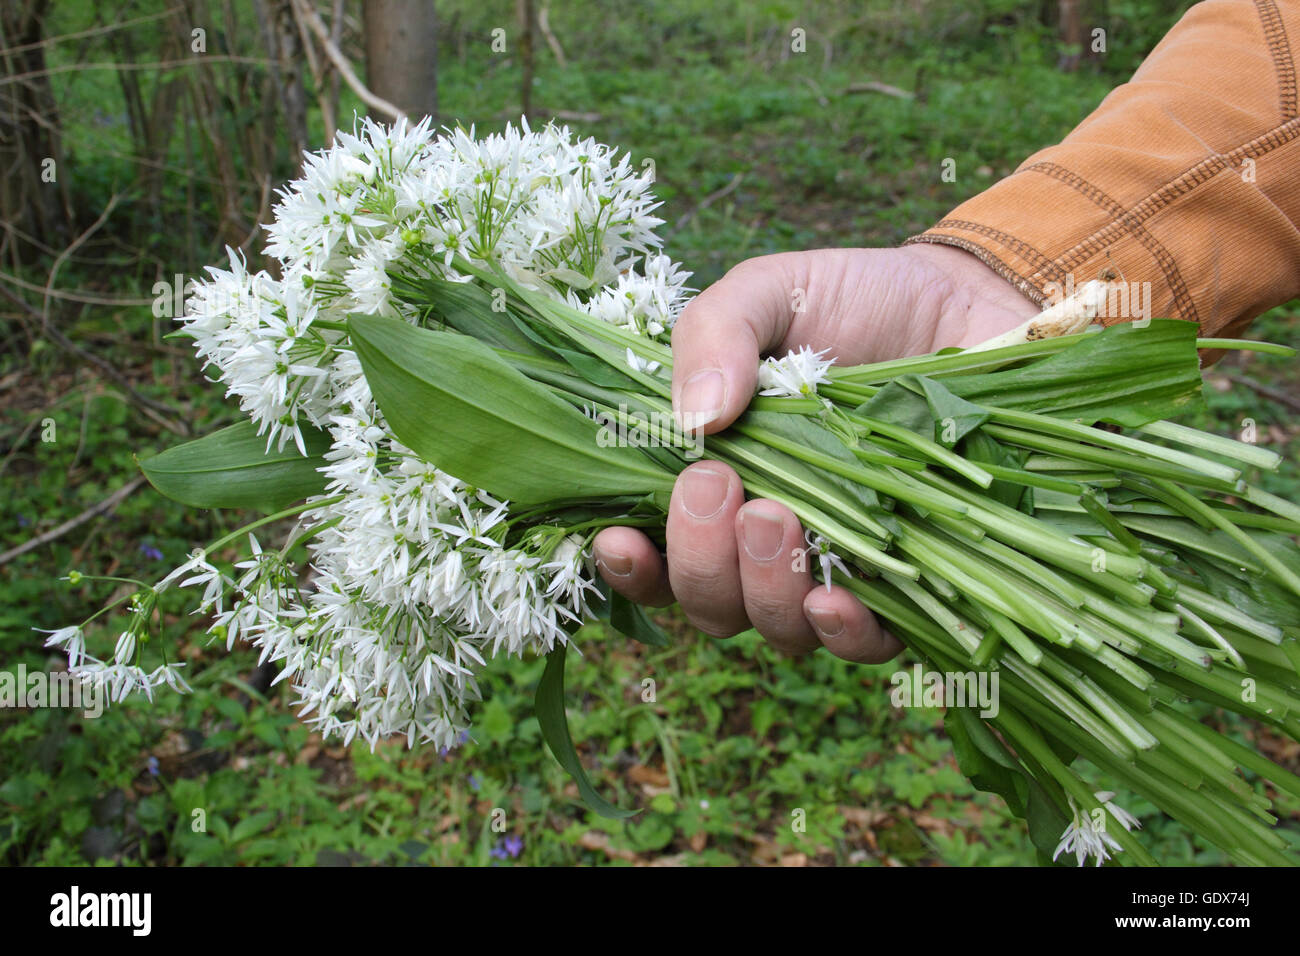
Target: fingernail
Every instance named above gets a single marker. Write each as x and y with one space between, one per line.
619 565
763 534
701 399
703 492
825 622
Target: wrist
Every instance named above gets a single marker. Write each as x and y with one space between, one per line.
973 273
982 303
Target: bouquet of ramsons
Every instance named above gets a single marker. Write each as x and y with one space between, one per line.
461 374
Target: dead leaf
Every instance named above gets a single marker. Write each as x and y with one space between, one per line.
599 842
643 775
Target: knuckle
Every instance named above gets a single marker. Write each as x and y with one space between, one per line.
702 571
714 626
776 617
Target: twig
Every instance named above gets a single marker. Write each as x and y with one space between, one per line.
63 256
875 86
313 20
154 410
105 506
817 91
576 116
1268 391
705 203
83 297
207 58
96 31
544 24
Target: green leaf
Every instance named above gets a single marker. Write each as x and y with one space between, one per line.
812 434
251 825
496 723
984 759
549 705
1258 597
982 449
1151 372
458 405
1045 821
926 407
627 618
492 318
468 308
232 468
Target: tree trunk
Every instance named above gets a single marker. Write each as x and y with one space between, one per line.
1071 34
284 45
402 54
35 215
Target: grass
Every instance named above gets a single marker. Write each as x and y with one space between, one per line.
733 754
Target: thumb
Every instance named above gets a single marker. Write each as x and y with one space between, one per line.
722 333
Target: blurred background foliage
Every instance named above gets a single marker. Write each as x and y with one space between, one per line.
164 155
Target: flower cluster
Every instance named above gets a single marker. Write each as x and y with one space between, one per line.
796 374
414 579
1086 834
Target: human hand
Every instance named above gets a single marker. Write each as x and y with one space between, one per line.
729 562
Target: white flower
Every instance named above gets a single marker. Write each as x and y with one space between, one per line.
170 674
796 375
1086 836
70 640
125 648
638 364
825 556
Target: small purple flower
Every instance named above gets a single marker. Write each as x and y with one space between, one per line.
150 552
461 739
509 848
24 521
152 764
474 782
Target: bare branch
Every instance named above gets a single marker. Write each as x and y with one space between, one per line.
313 20
704 204
875 86
154 410
544 24
103 507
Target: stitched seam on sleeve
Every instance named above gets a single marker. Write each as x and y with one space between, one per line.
1197 175
1027 252
1275 36
1168 265
1024 286
1206 170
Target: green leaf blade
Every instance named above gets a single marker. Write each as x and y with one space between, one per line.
232 468
554 723
457 404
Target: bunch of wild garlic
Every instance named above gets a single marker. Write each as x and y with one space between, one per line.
495 311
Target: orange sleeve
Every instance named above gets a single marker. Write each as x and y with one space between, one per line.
1187 177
